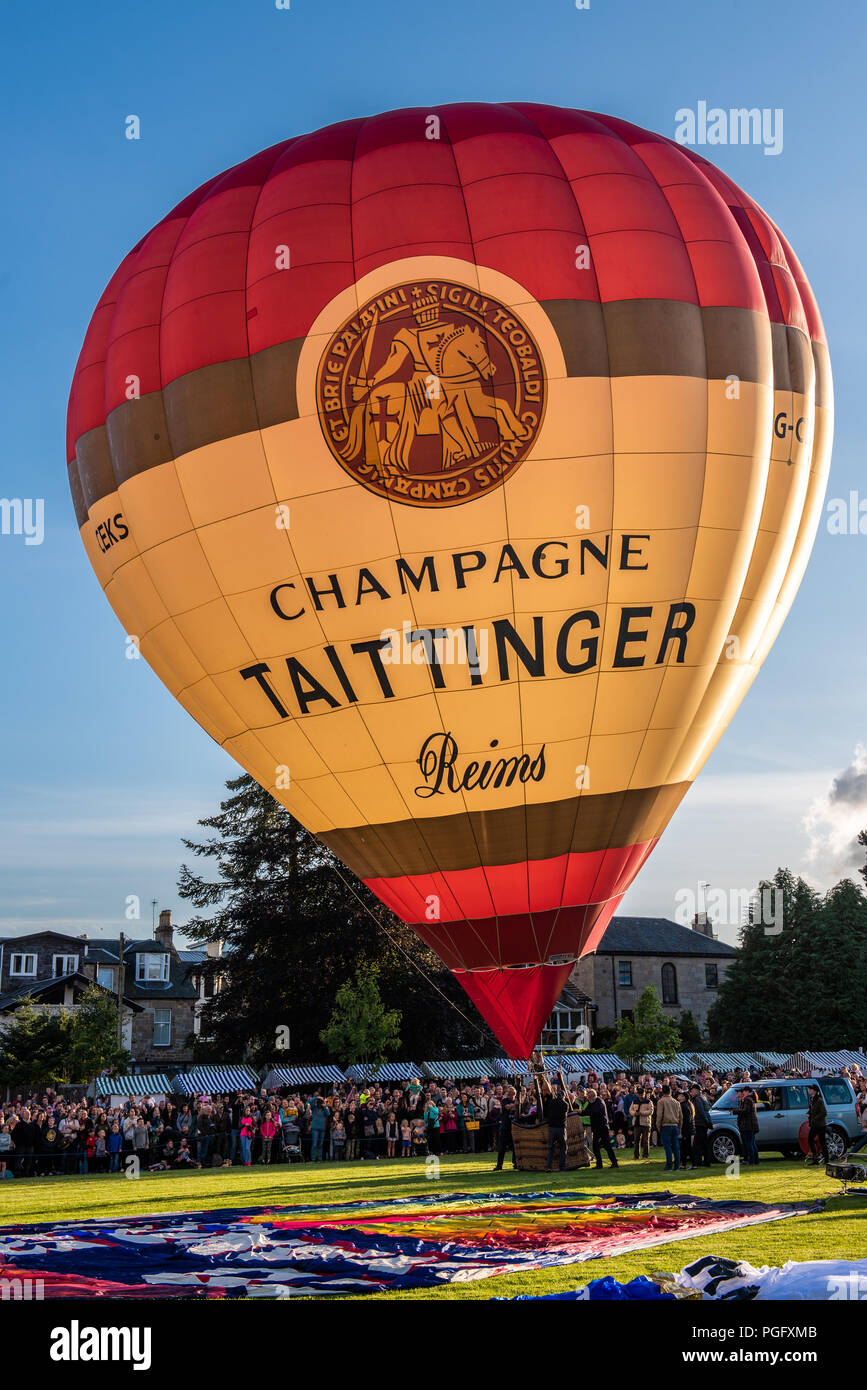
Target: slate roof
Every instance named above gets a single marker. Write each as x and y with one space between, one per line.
178 986
657 936
11 997
571 996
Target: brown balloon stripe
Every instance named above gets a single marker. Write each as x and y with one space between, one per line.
470 839
518 939
637 337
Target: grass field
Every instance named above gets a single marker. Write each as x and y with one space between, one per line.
840 1231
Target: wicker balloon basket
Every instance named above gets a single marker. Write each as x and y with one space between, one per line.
531 1145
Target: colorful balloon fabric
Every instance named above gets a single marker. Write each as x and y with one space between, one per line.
358 1247
456 470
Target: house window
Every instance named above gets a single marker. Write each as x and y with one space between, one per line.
563 1028
64 965
152 968
162 1027
624 974
628 1015
22 965
105 976
669 984
711 977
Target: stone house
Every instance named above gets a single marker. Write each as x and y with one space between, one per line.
685 965
164 989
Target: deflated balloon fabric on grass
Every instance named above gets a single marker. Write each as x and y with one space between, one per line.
357 1247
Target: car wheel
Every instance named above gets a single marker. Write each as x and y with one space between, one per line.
724 1146
837 1142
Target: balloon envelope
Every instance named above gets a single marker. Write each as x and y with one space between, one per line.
455 470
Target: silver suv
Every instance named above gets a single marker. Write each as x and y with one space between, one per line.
782 1110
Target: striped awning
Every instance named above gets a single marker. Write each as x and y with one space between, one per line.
773 1059
324 1074
208 1080
681 1061
389 1071
729 1061
157 1085
468 1067
600 1062
825 1061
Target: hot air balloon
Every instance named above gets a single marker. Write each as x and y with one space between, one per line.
455 470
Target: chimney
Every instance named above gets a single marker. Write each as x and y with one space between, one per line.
164 931
215 950
702 923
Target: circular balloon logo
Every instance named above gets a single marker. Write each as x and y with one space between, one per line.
431 394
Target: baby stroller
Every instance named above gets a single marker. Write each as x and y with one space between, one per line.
291 1144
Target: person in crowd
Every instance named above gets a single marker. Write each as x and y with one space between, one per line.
817 1118
687 1126
508 1106
600 1128
669 1119
338 1139
641 1111
432 1121
267 1133
318 1127
6 1147
392 1134
115 1146
556 1110
246 1133
702 1128
748 1124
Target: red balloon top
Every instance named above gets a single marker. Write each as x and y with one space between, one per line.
516 187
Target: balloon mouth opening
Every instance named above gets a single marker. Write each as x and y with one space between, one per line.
522 965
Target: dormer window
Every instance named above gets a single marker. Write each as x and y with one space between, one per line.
64 965
152 967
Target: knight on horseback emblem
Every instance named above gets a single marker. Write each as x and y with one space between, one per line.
423 386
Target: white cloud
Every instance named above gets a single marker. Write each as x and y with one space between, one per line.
835 819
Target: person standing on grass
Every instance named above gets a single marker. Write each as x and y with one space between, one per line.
267 1130
432 1123
817 1116
687 1127
703 1126
748 1124
669 1119
392 1134
600 1128
318 1125
641 1111
556 1111
505 1138
245 1135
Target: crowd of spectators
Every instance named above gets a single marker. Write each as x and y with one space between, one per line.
51 1134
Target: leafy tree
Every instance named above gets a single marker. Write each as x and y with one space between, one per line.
649 1033
34 1048
690 1033
93 1044
52 1049
800 978
296 925
361 1029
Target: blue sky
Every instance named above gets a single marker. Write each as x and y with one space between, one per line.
102 772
